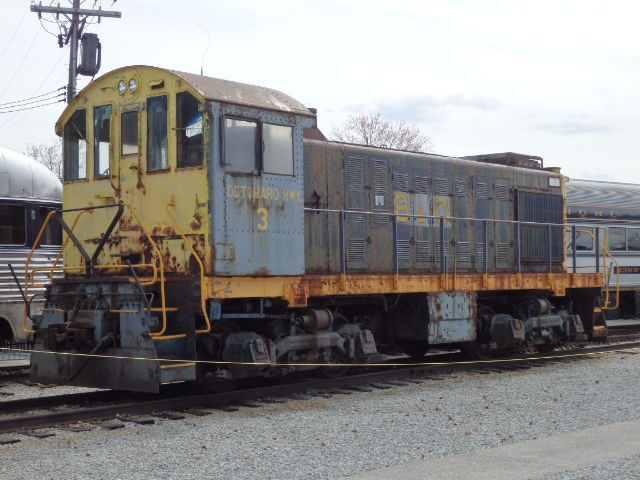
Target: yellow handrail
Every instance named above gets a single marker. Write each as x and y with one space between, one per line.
25 328
608 277
162 280
607 270
203 300
30 277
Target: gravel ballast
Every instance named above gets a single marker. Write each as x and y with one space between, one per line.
344 435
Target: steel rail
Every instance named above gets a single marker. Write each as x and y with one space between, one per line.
17 424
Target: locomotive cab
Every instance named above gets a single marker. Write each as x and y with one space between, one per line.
225 157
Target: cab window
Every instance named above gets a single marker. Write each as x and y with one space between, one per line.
240 137
129 133
277 141
253 147
75 146
101 140
157 153
189 131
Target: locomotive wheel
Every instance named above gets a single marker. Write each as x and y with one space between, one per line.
548 346
335 358
334 372
206 380
480 349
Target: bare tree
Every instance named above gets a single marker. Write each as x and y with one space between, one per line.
373 129
48 154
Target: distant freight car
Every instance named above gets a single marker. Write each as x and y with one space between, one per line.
214 240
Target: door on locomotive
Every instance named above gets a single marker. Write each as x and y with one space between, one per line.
257 191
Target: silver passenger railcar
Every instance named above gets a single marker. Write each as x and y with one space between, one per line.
616 207
28 192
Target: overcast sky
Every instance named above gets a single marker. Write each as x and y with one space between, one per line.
559 79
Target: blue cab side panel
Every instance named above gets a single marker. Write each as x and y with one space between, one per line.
257 217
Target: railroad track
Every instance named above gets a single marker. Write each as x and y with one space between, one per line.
89 410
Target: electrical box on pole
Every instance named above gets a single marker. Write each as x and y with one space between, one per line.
90 55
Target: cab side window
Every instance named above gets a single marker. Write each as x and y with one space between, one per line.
240 140
189 127
101 140
75 146
277 156
253 147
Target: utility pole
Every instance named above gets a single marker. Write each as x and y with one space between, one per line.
77 19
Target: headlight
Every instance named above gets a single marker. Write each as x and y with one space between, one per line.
133 84
122 86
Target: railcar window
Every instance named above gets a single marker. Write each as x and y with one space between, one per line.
278 149
240 138
190 130
75 146
129 133
584 238
617 239
12 225
101 140
157 158
53 233
633 239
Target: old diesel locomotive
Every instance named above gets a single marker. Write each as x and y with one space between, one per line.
209 237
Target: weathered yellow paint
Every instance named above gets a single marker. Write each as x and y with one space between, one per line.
129 182
297 290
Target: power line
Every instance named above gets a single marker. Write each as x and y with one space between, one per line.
12 108
62 99
21 116
6 47
5 104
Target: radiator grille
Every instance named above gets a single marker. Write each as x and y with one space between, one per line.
423 252
462 188
463 252
441 186
355 173
401 181
504 253
355 250
502 193
482 190
403 251
422 184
